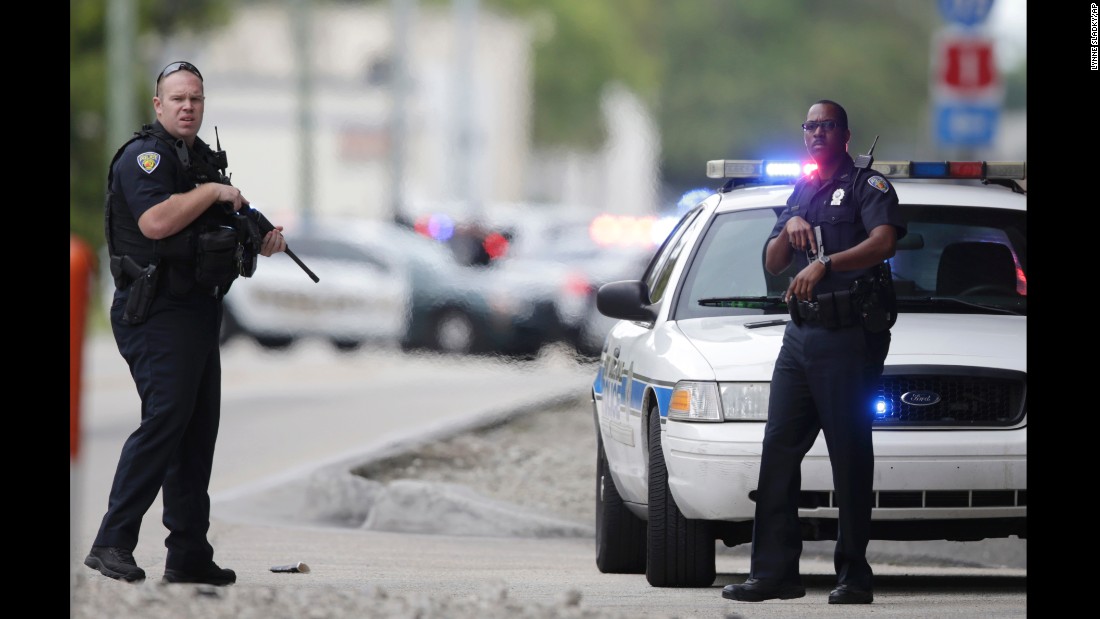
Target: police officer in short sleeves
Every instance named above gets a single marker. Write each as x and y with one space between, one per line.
827 369
156 223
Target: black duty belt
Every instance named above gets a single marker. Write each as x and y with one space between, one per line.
832 310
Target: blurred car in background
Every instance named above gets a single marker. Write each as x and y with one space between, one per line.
457 309
561 259
361 297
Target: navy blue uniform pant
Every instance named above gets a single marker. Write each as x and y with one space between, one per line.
824 379
175 362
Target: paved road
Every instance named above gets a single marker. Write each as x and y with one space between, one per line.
286 414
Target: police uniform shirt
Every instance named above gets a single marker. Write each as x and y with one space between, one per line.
844 219
145 174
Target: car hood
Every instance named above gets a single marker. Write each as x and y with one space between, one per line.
973 340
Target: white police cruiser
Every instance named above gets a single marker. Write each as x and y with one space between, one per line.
681 394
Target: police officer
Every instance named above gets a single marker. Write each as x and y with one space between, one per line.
840 225
175 248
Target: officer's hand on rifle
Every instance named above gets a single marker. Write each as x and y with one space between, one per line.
273 242
229 195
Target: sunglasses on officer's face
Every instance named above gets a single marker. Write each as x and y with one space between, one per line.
811 126
178 66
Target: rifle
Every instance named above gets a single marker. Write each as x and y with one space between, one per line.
255 223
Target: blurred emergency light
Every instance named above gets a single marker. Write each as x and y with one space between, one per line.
436 226
622 230
495 245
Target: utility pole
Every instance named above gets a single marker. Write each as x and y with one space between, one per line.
399 85
302 16
465 136
121 34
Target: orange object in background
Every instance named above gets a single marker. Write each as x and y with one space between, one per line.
81 263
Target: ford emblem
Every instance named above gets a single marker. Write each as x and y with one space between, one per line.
920 398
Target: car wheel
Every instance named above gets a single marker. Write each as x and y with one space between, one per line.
454 332
620 535
680 550
274 342
346 345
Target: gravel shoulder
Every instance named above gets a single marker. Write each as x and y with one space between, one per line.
543 461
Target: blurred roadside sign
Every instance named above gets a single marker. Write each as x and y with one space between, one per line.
966 124
966 89
965 12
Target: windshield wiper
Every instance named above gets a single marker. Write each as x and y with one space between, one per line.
743 302
956 301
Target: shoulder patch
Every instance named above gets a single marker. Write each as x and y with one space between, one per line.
879 183
148 161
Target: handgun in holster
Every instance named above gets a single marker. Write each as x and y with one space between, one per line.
142 287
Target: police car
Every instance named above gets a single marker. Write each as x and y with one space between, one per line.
361 298
681 394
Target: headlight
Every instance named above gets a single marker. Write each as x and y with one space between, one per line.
695 401
705 401
745 401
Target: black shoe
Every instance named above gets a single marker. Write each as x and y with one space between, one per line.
755 590
211 575
848 594
114 563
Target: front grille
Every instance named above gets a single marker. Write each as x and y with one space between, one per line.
950 396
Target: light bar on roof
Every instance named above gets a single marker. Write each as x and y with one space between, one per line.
753 169
759 169
952 169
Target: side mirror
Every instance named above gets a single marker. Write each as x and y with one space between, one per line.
625 300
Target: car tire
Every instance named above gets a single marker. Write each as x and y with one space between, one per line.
274 342
620 535
345 345
680 551
454 332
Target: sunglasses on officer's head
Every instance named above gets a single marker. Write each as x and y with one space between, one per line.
178 66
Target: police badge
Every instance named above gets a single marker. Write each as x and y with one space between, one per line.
148 161
838 195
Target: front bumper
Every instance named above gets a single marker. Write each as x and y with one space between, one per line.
713 468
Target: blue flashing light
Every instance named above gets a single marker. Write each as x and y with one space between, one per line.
928 169
881 407
691 198
441 227
783 168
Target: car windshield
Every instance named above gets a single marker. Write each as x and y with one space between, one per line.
953 259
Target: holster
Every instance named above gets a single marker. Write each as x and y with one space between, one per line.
143 288
876 302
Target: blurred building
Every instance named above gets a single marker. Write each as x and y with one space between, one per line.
466 112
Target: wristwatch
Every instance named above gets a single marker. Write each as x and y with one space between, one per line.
823 259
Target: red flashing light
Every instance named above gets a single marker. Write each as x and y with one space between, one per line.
809 168
495 245
964 169
577 284
421 226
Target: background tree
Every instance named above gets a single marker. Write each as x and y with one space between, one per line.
88 156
